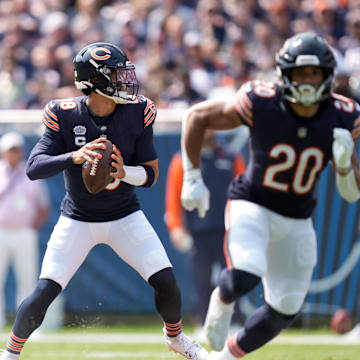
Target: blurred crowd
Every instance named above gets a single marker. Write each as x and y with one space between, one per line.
184 50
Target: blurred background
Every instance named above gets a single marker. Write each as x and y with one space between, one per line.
184 51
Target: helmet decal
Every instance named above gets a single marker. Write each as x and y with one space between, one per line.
101 57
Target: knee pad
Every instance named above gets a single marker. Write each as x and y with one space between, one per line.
290 304
163 281
235 283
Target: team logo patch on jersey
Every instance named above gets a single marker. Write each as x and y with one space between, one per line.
302 132
79 130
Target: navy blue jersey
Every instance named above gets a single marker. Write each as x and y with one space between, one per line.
287 152
69 126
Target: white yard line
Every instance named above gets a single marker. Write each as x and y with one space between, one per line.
146 338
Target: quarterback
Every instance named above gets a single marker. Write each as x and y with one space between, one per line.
296 127
110 106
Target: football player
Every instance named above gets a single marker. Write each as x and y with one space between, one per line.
110 106
296 128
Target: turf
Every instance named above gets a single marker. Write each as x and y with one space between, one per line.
100 343
157 351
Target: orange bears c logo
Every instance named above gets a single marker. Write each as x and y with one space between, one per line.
96 56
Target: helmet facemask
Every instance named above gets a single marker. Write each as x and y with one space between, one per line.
117 83
302 93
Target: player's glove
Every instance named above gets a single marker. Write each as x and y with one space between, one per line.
342 148
194 194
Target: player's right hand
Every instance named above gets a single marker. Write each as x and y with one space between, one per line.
195 194
87 153
342 148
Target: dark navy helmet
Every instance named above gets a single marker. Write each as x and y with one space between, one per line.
105 69
305 49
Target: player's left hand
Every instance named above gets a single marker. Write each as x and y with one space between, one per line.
342 148
118 164
195 194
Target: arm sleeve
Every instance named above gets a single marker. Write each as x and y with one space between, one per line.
173 208
47 157
239 165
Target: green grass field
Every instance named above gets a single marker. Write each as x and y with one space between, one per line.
146 343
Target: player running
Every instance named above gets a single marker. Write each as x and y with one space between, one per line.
296 128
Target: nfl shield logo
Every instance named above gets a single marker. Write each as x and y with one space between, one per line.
302 132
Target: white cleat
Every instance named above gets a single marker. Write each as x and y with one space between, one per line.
225 354
184 346
5 355
218 320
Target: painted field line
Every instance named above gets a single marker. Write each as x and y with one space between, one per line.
146 338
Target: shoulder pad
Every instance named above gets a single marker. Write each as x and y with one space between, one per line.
50 117
251 95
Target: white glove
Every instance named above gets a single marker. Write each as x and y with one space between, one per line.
342 148
194 194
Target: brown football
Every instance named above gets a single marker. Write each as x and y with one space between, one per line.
96 177
341 321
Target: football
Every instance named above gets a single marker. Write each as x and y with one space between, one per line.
96 177
341 321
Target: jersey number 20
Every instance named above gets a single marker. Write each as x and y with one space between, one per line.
299 184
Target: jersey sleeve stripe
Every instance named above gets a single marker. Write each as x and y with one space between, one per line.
151 119
149 115
51 124
245 109
54 123
246 99
243 116
243 106
148 103
50 113
149 112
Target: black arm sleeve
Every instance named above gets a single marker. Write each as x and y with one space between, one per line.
48 156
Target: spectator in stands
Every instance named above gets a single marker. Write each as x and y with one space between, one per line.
352 38
24 208
202 238
137 26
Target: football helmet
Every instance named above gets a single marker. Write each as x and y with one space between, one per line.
305 49
105 69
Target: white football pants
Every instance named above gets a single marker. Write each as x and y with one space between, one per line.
132 238
18 247
280 250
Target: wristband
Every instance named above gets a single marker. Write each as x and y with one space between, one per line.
150 176
134 175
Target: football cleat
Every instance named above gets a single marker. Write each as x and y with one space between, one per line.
6 355
217 322
225 354
184 346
